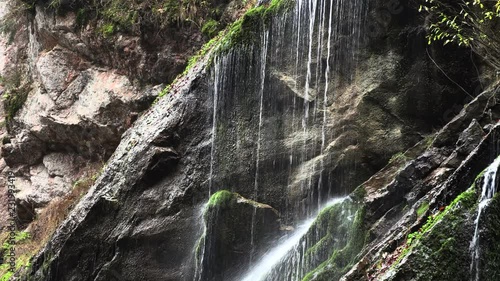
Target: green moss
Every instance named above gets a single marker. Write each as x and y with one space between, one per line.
490 248
245 31
400 156
220 198
359 193
465 202
210 28
118 13
22 236
242 32
344 239
422 208
22 262
6 276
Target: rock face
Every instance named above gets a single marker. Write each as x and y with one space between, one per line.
294 108
70 90
233 225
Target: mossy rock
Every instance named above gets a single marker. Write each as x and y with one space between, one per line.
344 235
440 249
237 228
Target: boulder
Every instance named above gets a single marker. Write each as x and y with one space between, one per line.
237 231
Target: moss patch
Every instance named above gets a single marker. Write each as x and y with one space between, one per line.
422 208
439 250
342 240
242 32
220 199
210 28
489 259
245 31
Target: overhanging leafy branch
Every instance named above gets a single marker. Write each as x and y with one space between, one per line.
473 24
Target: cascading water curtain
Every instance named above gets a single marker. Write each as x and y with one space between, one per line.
271 134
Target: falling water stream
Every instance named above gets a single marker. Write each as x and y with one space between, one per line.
265 40
263 269
270 121
488 190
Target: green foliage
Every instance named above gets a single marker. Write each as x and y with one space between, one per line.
210 28
16 11
470 23
131 15
359 193
107 29
6 276
245 30
241 32
400 156
15 93
22 236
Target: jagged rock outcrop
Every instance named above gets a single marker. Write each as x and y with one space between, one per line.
414 195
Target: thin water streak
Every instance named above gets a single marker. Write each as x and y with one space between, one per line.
263 64
488 190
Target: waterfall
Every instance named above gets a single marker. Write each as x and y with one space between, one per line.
488 190
292 247
263 63
199 253
270 136
262 269
216 78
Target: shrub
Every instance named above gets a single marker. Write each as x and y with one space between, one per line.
14 95
470 23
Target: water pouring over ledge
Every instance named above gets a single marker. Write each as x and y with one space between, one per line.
270 260
488 190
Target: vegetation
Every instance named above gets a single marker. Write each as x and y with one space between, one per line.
400 156
29 242
243 31
422 208
344 239
15 93
470 23
10 23
210 28
461 203
134 15
220 198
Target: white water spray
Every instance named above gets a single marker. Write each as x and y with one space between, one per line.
488 189
265 266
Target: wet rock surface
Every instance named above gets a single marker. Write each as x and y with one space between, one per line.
234 226
242 125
